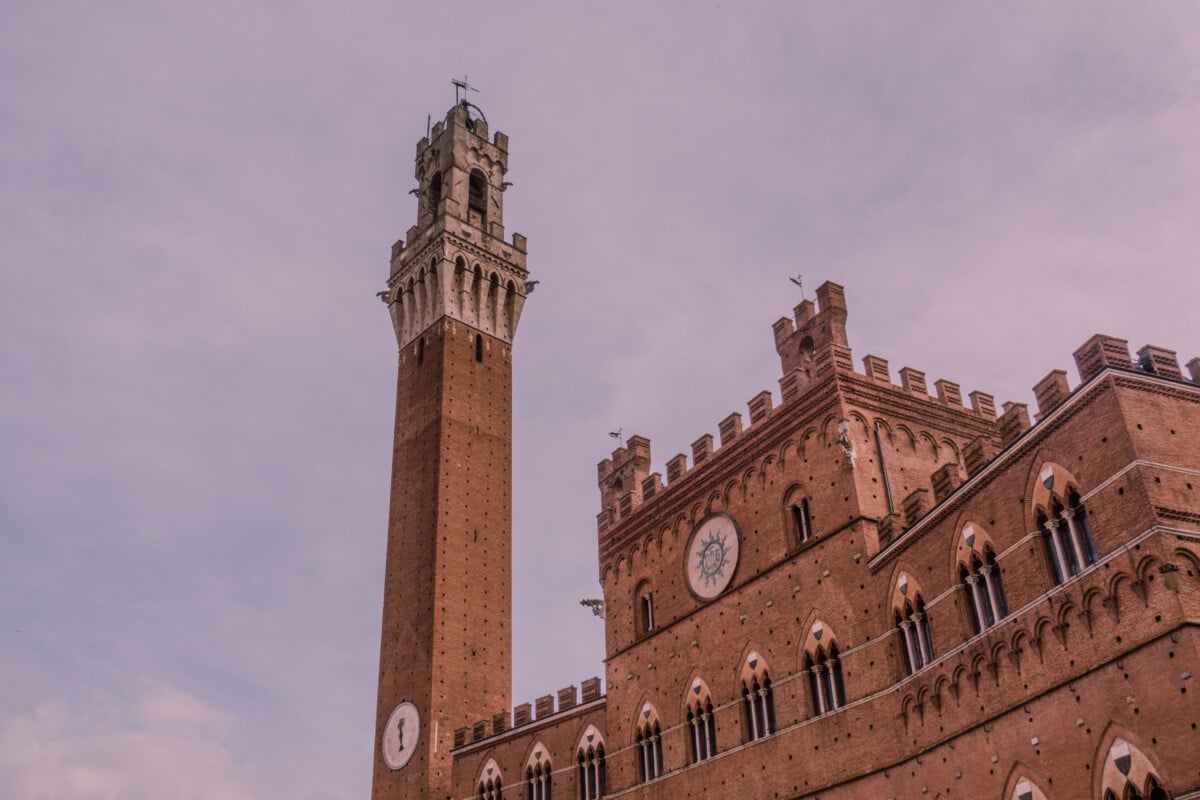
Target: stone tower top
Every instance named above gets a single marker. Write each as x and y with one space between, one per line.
455 262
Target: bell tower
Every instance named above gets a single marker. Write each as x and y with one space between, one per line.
455 293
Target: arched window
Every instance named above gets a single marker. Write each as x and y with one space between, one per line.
702 730
649 744
490 782
913 623
758 699
435 191
985 589
590 758
537 774
1129 775
1064 524
802 521
825 679
646 609
477 193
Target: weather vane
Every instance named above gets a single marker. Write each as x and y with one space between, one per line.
461 87
799 281
618 435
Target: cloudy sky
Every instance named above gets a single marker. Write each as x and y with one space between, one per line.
197 202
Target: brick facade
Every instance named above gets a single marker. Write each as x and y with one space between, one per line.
928 599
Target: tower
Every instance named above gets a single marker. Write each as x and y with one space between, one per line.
455 293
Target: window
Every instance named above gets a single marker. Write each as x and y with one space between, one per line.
758 700
825 679
490 782
985 590
477 193
537 774
759 703
421 351
702 729
591 773
435 191
646 607
649 745
478 347
913 624
802 521
1067 535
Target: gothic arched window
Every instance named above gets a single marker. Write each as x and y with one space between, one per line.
825 682
490 782
592 771
985 589
758 699
702 729
913 624
649 744
477 193
435 191
537 774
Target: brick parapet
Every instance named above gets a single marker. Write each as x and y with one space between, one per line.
521 722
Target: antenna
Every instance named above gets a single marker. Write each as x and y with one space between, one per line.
799 281
617 435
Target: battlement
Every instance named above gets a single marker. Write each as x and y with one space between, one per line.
541 710
458 117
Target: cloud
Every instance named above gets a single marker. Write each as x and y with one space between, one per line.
167 743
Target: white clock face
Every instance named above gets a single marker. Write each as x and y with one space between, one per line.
400 735
712 556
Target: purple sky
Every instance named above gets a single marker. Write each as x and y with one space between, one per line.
197 202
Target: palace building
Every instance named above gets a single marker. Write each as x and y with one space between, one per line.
860 588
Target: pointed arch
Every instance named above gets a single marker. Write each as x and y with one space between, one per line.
648 740
590 761
979 576
489 781
701 723
1022 784
1122 763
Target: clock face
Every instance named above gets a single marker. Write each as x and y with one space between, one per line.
712 556
400 735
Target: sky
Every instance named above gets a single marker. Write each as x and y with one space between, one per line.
197 203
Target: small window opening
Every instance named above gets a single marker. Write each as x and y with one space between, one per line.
646 602
477 193
421 350
802 521
478 347
435 191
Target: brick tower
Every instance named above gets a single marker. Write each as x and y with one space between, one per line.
455 293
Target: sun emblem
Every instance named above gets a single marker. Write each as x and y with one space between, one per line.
713 558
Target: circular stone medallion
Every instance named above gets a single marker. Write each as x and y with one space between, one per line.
712 556
400 735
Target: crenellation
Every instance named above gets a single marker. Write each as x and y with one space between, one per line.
590 689
479 730
948 393
522 715
1051 391
500 722
913 382
977 454
804 312
983 404
1159 361
677 467
915 505
876 369
1193 367
620 479
651 486
702 448
544 706
1013 422
760 406
944 481
730 428
1101 351
568 697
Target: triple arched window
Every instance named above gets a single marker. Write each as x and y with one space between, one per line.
985 589
1067 535
538 774
913 623
702 729
490 782
824 670
649 744
758 699
592 770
